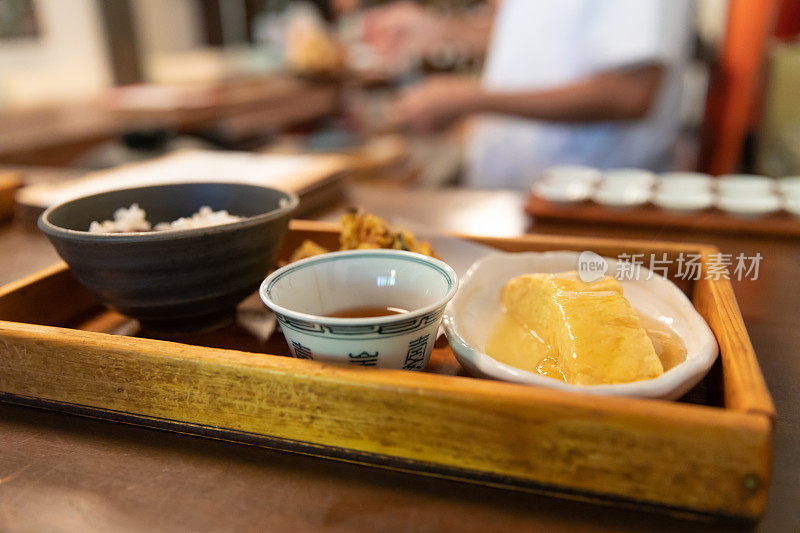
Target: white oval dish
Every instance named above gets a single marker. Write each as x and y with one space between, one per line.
471 314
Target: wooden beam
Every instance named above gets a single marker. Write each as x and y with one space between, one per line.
123 46
732 95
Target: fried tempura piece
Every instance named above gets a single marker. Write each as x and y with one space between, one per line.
308 248
362 231
365 231
404 240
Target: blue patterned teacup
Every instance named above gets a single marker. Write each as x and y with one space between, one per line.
306 293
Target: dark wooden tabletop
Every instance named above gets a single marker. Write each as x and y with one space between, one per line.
65 473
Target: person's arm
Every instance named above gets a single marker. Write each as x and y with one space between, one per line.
606 96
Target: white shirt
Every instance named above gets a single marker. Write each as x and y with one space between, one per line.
540 44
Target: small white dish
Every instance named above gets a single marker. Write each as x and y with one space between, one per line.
471 315
623 196
790 186
628 176
752 206
565 174
683 201
562 193
302 293
744 185
684 182
792 205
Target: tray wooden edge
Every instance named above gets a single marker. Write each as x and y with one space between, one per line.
745 387
385 462
678 451
749 417
781 225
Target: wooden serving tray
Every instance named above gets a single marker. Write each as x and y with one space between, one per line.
713 220
711 459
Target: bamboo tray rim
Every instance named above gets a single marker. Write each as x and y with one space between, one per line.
490 390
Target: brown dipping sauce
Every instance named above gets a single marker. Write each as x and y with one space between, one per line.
367 312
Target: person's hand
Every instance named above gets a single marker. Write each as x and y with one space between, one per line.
401 29
436 104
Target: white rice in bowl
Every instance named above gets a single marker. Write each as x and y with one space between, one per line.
134 219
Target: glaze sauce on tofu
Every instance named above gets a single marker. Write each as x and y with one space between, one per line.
580 333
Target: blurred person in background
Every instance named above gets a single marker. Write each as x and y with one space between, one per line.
589 82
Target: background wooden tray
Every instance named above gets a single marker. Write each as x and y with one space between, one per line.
780 224
712 459
317 179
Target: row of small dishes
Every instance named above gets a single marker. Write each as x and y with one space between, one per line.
737 194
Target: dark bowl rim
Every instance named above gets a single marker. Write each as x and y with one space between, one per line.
49 228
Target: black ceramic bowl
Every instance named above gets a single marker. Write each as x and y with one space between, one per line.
175 281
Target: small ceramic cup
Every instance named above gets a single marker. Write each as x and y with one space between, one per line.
790 186
561 193
625 187
684 182
744 185
624 177
792 205
750 206
303 295
683 202
563 175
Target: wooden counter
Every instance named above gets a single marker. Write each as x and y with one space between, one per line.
236 110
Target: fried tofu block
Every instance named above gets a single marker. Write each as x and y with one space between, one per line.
592 328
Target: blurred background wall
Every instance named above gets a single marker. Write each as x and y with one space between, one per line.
65 61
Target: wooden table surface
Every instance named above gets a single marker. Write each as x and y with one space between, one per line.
65 473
